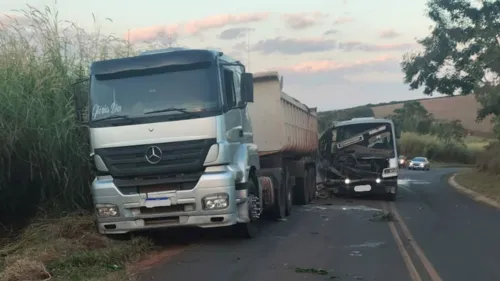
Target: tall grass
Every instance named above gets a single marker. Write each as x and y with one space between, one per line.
43 151
413 144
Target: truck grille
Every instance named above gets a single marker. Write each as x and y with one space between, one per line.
177 157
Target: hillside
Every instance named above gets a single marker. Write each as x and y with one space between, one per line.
463 108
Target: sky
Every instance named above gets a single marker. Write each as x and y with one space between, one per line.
332 54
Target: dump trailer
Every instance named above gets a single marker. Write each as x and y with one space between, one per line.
359 156
178 140
286 134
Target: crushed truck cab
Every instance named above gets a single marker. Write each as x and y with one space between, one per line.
359 156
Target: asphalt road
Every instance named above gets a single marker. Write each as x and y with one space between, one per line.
436 234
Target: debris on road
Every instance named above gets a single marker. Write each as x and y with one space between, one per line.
383 216
318 271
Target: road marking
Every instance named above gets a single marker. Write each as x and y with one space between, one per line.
407 189
402 250
425 261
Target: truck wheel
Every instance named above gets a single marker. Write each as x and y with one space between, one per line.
289 193
249 229
279 209
391 196
312 185
301 190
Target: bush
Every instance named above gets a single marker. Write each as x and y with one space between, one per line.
44 151
413 144
488 160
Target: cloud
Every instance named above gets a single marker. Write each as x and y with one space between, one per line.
234 33
194 27
290 46
330 32
360 46
316 66
241 46
303 20
330 84
13 19
342 20
293 46
389 34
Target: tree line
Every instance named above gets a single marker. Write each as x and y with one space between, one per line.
461 55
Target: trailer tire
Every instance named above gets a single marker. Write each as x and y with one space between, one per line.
288 192
250 229
279 209
301 189
312 186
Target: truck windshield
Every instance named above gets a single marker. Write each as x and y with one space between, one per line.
151 95
371 135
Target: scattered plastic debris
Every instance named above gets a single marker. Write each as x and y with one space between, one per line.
318 271
382 216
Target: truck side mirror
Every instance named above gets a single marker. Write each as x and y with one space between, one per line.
247 86
81 90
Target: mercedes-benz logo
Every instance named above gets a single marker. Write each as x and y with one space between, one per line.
153 154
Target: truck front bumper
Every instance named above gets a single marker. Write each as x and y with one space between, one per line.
183 208
367 186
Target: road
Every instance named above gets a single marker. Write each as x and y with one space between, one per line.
436 234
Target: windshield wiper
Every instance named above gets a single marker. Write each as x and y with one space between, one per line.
181 110
116 116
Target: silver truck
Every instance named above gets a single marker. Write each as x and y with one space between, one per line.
188 138
359 156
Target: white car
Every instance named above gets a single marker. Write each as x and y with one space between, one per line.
419 163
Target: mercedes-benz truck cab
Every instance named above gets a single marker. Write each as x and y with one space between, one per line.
171 142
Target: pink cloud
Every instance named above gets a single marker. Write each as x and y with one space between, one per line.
343 20
194 27
328 65
389 34
13 19
303 20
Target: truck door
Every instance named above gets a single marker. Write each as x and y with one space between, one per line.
232 113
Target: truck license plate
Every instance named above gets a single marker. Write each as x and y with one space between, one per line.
157 200
362 188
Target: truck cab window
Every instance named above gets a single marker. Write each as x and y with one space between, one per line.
229 88
237 85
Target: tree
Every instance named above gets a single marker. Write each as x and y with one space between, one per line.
326 118
461 55
412 117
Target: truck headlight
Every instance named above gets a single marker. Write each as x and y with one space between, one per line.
216 202
378 180
389 171
107 210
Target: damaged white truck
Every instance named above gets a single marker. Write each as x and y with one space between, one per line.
359 156
178 140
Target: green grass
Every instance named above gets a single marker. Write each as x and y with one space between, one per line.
481 182
437 150
476 143
44 152
68 248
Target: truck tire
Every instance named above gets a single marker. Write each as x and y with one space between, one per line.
250 229
280 200
391 196
312 186
289 193
301 189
